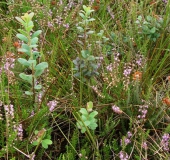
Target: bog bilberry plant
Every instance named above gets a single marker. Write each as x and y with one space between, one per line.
85 65
150 27
30 40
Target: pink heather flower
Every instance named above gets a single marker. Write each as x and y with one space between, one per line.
117 109
52 105
125 141
110 12
19 130
32 114
50 25
9 63
39 96
165 142
127 72
165 1
110 67
123 155
129 134
144 145
66 25
9 110
143 109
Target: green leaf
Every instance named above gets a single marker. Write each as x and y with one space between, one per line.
153 30
38 86
44 145
35 143
93 126
146 23
33 46
85 8
29 28
47 141
22 50
35 54
139 18
22 37
85 53
23 62
83 111
80 29
100 34
39 72
154 39
149 18
32 63
48 136
90 32
82 15
91 19
145 28
41 66
20 20
28 93
23 32
88 10
26 77
31 15
87 123
93 114
36 34
84 118
25 48
89 106
30 23
83 130
91 58
79 124
34 41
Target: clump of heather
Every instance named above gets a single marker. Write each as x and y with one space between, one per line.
11 124
8 61
111 76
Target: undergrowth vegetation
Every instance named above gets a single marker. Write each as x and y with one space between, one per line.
84 80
